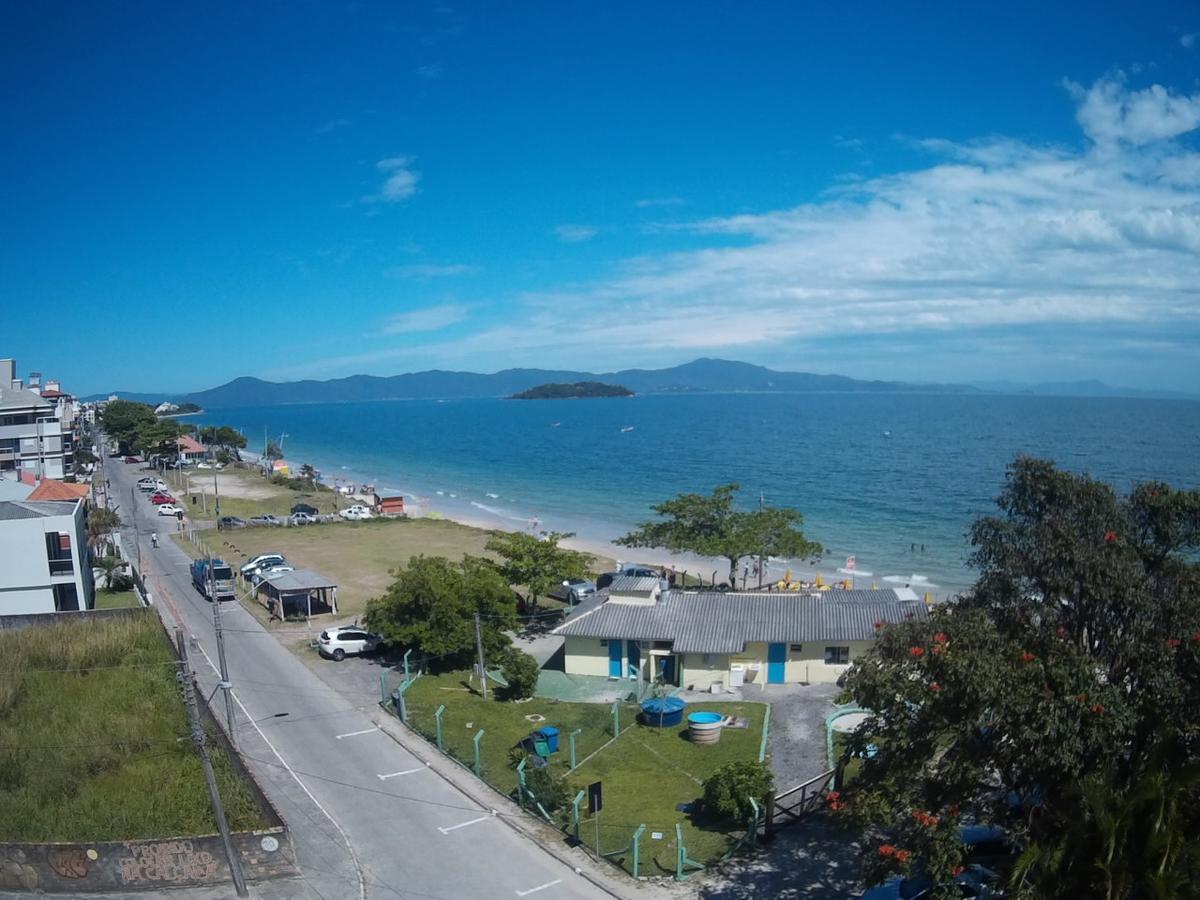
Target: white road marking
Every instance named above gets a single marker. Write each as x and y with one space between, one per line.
356 733
362 878
540 887
462 824
396 774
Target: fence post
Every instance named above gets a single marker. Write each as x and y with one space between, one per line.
406 652
383 694
762 746
571 741
753 821
575 815
437 717
521 782
479 734
637 846
616 714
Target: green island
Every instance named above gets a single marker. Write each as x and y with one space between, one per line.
571 391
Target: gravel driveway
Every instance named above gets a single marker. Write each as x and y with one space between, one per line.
797 738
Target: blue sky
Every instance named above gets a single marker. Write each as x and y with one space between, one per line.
192 192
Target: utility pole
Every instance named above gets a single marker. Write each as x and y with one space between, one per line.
198 739
761 504
479 646
137 535
226 686
216 500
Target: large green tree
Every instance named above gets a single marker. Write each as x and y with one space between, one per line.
1060 698
537 564
121 420
710 526
158 437
432 602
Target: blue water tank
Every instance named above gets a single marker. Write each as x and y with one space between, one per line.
550 736
662 712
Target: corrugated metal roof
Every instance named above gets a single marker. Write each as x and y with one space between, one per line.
632 583
300 580
723 622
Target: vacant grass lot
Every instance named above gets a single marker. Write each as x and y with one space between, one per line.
357 555
646 773
245 493
91 719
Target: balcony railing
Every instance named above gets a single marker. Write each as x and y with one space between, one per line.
62 567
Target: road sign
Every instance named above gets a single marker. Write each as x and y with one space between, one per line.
595 797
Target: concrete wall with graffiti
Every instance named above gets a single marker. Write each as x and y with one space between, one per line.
126 866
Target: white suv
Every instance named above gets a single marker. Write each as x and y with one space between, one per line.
346 640
262 561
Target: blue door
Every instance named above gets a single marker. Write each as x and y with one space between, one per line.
614 658
776 663
668 670
633 650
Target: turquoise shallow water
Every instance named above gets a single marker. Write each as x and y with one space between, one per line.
874 475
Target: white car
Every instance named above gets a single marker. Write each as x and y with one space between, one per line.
356 513
303 518
204 465
148 485
346 640
263 560
169 509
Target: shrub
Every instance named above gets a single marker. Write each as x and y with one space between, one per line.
550 790
120 581
521 672
728 790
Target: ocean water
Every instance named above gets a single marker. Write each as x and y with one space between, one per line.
894 480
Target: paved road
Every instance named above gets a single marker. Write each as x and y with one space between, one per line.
369 818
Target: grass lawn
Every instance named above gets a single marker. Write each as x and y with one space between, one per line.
646 772
90 721
106 599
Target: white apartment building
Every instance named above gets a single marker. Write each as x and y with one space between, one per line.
32 435
45 565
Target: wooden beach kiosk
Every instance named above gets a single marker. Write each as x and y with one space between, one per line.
302 592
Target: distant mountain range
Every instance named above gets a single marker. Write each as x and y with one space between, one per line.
698 376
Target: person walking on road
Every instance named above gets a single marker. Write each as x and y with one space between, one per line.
154 540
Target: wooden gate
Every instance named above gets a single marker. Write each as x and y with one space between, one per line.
792 805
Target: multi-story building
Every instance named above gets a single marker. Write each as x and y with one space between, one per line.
47 566
37 426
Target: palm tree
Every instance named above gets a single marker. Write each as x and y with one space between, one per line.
110 565
101 522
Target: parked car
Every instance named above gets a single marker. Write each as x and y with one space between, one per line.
262 574
306 508
263 560
228 522
132 459
266 520
169 509
346 640
160 498
573 592
303 518
204 465
355 513
975 882
149 484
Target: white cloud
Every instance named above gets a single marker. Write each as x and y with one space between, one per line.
431 270
429 72
1109 113
1188 40
400 183
333 125
431 318
653 202
574 234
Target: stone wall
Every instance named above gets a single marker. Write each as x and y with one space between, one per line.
128 866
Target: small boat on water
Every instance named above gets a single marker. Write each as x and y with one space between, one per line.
626 428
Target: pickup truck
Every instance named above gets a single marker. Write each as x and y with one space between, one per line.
219 584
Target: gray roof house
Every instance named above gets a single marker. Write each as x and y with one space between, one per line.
794 637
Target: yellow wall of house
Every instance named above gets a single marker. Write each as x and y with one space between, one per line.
808 664
585 656
701 671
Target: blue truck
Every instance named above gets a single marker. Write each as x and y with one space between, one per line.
215 583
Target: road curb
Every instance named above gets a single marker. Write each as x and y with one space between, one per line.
515 817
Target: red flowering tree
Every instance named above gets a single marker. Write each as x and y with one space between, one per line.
1060 698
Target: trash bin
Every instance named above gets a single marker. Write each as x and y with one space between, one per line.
550 736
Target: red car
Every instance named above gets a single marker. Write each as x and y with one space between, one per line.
159 499
132 459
